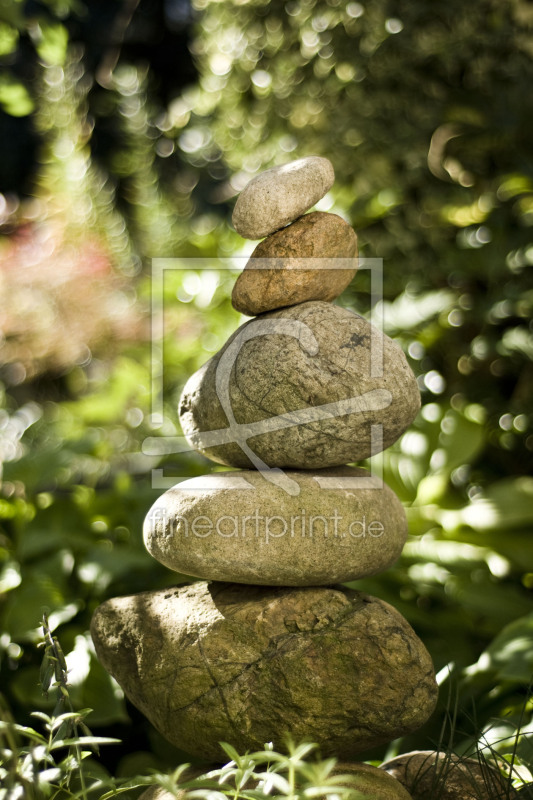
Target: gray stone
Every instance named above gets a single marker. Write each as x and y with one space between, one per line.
259 534
280 195
213 662
298 359
297 264
427 773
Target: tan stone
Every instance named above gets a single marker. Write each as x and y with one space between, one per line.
213 662
366 779
332 369
259 534
157 793
427 773
298 264
280 195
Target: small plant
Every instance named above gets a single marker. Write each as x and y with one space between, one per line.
52 765
56 764
35 765
268 773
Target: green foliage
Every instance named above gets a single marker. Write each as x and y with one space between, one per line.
35 766
48 37
60 763
428 136
425 110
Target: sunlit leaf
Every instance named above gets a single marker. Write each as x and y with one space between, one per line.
14 97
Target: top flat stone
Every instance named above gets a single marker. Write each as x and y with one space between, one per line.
280 195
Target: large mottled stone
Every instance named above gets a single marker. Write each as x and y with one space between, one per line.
215 662
280 195
296 264
338 372
239 527
427 773
369 781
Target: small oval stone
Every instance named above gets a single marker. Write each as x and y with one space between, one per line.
305 387
428 773
280 195
297 264
213 662
368 780
239 527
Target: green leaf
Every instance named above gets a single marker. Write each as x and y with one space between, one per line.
12 13
14 97
24 730
9 576
46 673
52 43
9 37
407 311
103 695
84 740
231 752
507 503
25 605
461 439
509 657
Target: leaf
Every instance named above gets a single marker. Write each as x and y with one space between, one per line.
24 730
52 42
231 752
461 439
14 97
9 576
509 657
46 673
102 694
277 781
519 339
507 503
407 311
84 740
9 37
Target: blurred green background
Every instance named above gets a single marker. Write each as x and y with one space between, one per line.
126 131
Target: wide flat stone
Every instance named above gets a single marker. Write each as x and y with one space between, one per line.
305 387
239 527
212 662
296 264
427 773
280 195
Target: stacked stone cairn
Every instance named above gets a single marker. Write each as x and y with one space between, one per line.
268 643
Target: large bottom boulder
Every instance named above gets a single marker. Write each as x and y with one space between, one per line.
212 662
